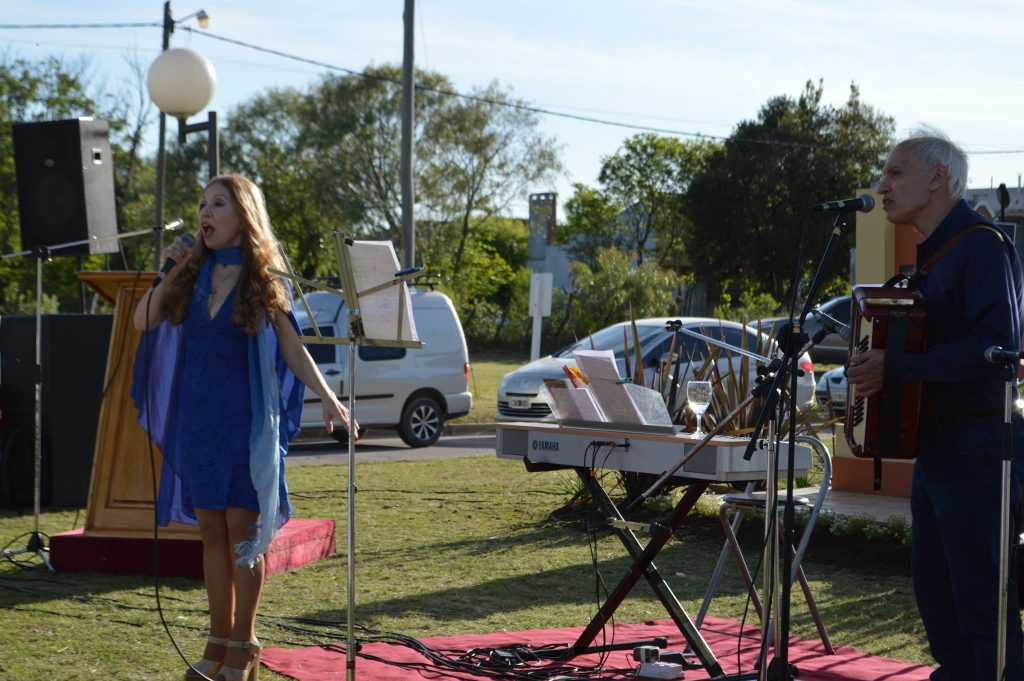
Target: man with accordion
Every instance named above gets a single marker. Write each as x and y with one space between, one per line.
973 288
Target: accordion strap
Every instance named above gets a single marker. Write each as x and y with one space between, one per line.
920 273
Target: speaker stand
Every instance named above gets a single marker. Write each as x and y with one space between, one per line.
36 545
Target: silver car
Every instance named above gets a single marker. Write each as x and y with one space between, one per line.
832 388
518 394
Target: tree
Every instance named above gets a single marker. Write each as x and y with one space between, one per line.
483 152
591 224
51 89
649 177
747 201
604 295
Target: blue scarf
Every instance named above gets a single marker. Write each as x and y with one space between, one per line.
232 255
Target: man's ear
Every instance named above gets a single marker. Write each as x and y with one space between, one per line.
939 177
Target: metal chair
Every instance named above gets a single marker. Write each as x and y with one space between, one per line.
749 502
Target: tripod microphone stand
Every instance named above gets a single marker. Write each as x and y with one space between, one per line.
792 340
36 545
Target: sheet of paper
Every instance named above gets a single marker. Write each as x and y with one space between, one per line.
597 364
584 401
375 263
556 392
615 402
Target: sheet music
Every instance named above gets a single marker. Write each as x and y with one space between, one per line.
584 402
615 402
597 364
375 263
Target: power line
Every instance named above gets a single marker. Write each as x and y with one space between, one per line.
148 24
477 98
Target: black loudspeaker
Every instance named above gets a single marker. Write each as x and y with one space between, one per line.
65 180
74 359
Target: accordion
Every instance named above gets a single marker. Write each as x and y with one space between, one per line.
884 426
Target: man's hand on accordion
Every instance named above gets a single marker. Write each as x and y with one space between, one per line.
865 371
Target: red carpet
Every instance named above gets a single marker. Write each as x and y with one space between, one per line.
848 664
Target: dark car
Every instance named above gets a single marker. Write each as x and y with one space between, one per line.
832 349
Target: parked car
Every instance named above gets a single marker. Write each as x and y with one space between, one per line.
518 394
832 386
412 389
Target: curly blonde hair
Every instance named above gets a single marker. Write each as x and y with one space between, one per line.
261 295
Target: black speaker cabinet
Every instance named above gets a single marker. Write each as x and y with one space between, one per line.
65 180
73 358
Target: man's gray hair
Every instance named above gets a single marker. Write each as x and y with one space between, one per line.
933 147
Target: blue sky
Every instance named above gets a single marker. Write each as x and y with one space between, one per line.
693 66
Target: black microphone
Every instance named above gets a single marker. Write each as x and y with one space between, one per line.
864 203
997 355
169 263
832 325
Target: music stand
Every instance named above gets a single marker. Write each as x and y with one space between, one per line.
36 544
379 314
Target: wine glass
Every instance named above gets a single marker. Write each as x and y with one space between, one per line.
698 394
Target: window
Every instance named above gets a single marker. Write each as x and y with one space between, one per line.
376 353
322 353
611 338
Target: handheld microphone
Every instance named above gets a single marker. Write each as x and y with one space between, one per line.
832 325
997 355
169 263
864 203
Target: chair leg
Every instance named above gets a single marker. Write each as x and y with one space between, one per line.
734 548
715 576
813 607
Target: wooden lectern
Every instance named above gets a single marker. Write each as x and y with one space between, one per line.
121 489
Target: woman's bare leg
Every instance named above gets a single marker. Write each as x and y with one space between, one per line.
218 575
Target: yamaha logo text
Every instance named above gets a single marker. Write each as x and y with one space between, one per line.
545 446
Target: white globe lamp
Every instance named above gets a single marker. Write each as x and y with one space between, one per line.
181 82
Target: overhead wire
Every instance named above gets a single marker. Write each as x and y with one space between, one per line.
519 105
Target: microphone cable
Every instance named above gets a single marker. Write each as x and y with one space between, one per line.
147 355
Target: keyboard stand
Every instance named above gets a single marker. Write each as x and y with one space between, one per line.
643 566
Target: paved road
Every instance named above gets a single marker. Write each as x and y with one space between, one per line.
387 446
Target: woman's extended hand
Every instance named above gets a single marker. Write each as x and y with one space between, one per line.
336 411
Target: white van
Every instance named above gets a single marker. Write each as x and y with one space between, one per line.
413 390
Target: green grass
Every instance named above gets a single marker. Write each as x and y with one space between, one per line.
442 547
488 368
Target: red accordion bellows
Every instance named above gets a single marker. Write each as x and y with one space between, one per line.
885 425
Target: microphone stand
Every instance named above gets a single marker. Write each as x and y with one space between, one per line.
1004 516
793 338
36 545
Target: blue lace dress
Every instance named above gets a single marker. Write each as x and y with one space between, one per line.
222 407
215 412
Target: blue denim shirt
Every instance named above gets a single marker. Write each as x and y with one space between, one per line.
974 296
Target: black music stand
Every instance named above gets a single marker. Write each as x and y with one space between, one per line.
379 314
36 545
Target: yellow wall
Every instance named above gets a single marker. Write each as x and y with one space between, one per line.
875 240
883 250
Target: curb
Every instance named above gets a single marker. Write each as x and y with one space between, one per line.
468 428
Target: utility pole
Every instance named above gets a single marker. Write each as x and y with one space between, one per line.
408 97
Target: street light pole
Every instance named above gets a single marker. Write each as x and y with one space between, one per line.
161 152
212 143
161 155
